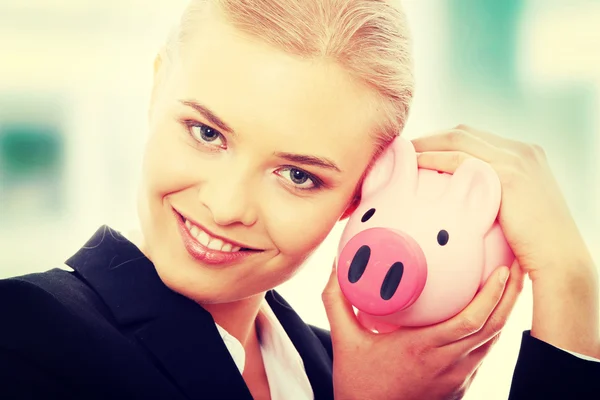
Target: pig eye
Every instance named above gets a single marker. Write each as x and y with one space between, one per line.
367 215
442 237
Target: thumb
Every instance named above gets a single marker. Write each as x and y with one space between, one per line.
339 310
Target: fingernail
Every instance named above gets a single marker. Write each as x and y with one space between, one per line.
504 275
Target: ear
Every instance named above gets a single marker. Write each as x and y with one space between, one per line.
475 189
351 208
398 162
160 65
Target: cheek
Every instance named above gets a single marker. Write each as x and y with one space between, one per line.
298 230
168 160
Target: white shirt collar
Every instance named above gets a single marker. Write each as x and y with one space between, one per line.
283 365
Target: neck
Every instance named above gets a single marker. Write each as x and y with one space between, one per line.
238 318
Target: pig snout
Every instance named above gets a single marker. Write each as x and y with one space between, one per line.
382 271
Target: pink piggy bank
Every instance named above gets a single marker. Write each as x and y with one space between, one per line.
421 243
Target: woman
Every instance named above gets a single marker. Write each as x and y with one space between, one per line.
264 116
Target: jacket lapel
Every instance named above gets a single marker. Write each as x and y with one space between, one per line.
194 357
317 363
179 335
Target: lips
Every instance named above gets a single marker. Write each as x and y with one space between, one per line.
209 241
207 247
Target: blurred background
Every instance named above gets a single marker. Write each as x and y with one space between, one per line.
75 78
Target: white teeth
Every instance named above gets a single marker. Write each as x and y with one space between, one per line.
208 241
203 238
215 244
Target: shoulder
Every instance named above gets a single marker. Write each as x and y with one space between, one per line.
55 335
54 304
54 289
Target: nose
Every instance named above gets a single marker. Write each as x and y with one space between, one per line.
229 198
382 271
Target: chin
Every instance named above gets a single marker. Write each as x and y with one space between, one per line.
222 298
204 285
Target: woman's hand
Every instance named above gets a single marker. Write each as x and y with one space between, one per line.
433 363
539 228
534 215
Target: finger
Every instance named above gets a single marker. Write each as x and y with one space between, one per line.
467 365
499 316
457 140
340 313
498 141
444 161
478 354
475 358
502 142
473 317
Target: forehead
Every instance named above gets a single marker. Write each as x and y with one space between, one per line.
304 105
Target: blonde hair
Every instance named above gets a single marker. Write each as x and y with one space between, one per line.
368 38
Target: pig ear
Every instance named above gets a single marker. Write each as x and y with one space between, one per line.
398 162
475 188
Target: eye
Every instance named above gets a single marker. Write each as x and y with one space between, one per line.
301 179
367 216
205 134
442 237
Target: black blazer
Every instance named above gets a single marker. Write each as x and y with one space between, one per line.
113 330
545 372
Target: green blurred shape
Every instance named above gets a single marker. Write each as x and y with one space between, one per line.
30 149
482 39
31 170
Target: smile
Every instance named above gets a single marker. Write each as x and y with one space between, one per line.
209 241
209 248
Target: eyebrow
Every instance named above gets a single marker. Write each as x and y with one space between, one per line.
296 158
309 160
209 115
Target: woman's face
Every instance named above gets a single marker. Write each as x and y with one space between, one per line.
249 148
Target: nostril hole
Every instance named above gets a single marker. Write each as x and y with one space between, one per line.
392 281
367 216
359 264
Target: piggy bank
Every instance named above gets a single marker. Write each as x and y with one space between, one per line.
421 243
